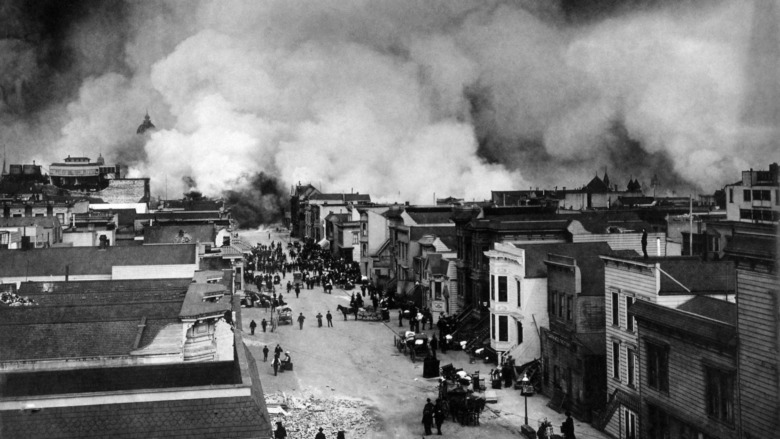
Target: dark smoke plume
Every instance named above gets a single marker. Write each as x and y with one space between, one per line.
262 201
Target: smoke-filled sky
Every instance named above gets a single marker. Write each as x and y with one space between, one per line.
399 99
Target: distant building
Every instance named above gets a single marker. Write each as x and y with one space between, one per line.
81 174
29 232
756 199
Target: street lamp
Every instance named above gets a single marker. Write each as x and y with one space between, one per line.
526 391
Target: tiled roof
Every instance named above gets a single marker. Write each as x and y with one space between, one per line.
91 260
696 276
235 417
96 292
113 379
708 329
178 233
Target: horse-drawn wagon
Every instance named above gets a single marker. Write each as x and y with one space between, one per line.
285 315
369 313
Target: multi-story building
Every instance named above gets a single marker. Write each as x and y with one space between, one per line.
320 205
29 232
758 329
667 282
573 356
687 358
756 199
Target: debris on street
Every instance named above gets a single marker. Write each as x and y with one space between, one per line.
303 416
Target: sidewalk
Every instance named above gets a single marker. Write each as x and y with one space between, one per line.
509 411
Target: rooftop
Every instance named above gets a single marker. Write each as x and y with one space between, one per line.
91 260
702 327
429 215
30 221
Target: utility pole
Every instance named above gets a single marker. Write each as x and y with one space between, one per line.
690 214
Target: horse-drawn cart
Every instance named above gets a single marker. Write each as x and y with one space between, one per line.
369 313
285 315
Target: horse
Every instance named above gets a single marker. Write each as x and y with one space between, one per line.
347 310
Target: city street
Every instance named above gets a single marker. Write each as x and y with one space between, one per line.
357 360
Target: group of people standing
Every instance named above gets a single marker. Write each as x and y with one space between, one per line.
433 413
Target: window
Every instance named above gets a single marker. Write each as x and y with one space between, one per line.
493 327
568 308
658 367
437 290
503 328
731 195
615 310
519 332
658 423
629 318
630 425
631 367
554 303
720 394
502 289
616 360
519 296
556 376
561 303
492 287
746 195
355 238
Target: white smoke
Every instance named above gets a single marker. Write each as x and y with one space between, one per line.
378 97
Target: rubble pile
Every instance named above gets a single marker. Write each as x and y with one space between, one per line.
13 299
303 416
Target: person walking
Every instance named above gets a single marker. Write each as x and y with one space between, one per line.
567 428
275 364
320 435
319 320
400 318
301 318
265 353
297 290
434 345
252 326
427 418
278 350
329 318
438 416
263 324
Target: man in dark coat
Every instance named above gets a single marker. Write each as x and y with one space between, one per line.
252 326
329 318
278 350
427 418
301 318
263 324
567 428
265 353
320 435
400 318
275 363
281 432
319 320
297 290
438 415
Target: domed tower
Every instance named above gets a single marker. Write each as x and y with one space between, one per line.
145 125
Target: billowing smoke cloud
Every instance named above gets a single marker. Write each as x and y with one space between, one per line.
260 202
404 99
